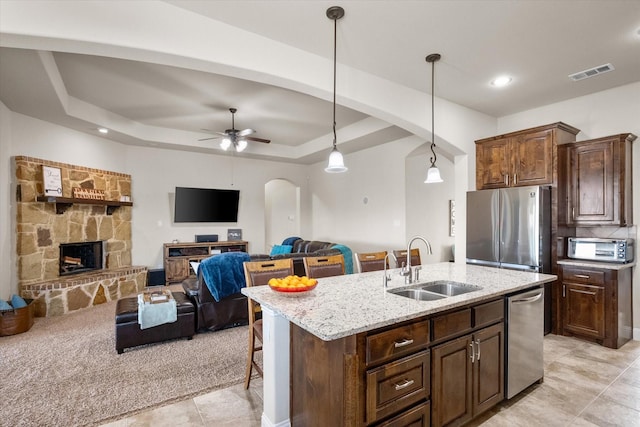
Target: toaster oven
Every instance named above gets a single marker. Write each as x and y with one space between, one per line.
596 249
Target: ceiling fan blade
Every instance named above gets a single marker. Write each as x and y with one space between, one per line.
250 138
207 139
245 132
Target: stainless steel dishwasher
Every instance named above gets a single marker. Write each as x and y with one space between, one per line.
525 333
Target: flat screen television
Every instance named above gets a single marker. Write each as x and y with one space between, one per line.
206 205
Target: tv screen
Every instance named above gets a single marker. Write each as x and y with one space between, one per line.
206 205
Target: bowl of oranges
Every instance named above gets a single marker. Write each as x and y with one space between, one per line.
293 284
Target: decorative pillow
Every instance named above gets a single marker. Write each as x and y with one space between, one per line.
281 249
18 302
5 305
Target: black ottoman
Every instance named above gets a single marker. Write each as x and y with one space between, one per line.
129 334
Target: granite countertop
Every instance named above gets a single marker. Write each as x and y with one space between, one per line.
596 264
345 305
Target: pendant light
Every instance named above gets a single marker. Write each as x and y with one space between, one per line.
433 174
336 162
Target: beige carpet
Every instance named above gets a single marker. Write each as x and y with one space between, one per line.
65 371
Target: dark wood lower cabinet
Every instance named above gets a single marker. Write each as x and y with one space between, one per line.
467 376
396 377
596 304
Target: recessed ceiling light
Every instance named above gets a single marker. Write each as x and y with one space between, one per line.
103 130
501 81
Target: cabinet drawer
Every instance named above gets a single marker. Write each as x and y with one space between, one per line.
451 324
486 314
397 342
397 385
583 276
420 416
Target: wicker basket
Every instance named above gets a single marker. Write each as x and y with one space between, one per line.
16 321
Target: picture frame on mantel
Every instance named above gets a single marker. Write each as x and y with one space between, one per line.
52 180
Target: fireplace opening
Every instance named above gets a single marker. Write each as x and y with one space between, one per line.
81 257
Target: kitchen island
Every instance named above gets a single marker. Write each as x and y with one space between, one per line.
328 346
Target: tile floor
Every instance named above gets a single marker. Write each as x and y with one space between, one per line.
584 385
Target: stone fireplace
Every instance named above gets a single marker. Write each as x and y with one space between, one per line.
48 230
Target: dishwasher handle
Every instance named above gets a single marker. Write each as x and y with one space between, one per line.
527 300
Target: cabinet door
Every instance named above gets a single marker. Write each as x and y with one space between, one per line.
176 269
594 200
493 164
584 309
451 381
532 159
488 368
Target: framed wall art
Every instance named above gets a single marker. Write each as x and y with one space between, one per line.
52 181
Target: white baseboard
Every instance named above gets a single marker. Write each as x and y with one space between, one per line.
266 422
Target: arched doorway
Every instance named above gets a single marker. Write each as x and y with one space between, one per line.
282 211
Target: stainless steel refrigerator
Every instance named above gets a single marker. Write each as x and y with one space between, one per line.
510 228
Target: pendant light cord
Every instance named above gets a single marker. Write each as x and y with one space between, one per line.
335 48
433 131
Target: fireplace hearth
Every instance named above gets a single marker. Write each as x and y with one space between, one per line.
81 257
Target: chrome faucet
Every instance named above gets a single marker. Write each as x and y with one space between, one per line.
406 270
387 278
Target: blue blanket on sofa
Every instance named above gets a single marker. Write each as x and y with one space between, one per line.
348 257
224 273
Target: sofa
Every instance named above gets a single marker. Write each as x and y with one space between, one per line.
301 248
232 310
215 315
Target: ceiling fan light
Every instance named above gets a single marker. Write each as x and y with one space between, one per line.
241 145
433 176
336 162
225 144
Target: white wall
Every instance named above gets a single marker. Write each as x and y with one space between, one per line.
7 203
282 212
363 208
605 113
427 209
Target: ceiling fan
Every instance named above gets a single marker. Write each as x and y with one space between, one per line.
235 137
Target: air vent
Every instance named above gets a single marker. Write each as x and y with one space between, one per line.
591 72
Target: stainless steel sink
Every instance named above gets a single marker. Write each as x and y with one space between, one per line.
450 289
417 294
433 291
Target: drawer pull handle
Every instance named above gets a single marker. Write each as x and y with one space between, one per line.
583 276
402 343
403 384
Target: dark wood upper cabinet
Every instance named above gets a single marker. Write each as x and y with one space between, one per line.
594 184
517 159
